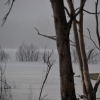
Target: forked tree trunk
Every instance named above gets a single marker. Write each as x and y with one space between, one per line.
66 71
75 30
79 58
87 80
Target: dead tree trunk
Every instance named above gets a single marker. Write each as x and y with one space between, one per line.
87 80
66 71
75 30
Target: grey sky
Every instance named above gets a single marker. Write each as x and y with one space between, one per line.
27 14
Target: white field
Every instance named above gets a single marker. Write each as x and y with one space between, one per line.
25 75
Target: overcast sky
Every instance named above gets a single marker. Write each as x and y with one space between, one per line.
27 14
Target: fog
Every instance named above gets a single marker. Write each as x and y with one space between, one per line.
25 15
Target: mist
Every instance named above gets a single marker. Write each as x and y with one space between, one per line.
25 15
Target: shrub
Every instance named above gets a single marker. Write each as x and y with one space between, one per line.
28 53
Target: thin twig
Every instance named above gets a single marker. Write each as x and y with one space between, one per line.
89 12
6 16
91 39
49 61
97 25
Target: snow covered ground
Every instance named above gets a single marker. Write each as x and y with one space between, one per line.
25 75
26 78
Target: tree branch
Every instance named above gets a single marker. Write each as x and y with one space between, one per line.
6 16
70 14
5 83
98 36
90 52
88 11
72 18
50 37
97 25
49 61
97 84
80 9
67 11
91 39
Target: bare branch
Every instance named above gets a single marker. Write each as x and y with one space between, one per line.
44 96
53 37
70 14
97 25
5 83
49 61
91 39
98 36
80 9
89 32
72 18
90 52
72 42
97 84
50 37
88 11
6 16
67 11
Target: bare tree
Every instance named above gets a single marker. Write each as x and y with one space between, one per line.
28 53
80 48
47 58
94 89
62 28
88 89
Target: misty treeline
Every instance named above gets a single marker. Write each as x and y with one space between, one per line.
28 53
31 53
93 55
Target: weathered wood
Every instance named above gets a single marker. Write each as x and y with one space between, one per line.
63 46
87 80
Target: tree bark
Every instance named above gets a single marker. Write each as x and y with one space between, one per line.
79 57
63 46
72 11
88 84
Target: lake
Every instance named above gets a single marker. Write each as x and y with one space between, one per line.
26 78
